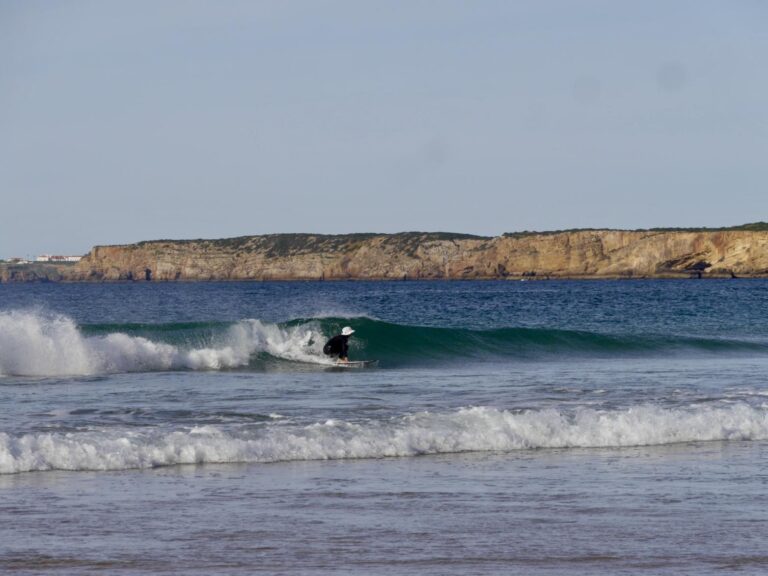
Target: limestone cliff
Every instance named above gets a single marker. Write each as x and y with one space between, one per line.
573 254
34 272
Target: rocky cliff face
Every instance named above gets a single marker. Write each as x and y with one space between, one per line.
34 272
579 254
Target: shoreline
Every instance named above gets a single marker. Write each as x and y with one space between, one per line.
54 279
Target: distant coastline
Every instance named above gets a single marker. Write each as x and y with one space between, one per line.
735 252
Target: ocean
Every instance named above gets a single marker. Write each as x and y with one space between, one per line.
542 427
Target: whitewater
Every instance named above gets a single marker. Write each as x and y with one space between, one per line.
45 344
537 428
466 430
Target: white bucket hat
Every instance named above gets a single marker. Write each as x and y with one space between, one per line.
346 331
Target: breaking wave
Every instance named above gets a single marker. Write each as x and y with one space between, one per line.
464 430
34 344
38 344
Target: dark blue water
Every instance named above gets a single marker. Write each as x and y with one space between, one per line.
727 307
510 427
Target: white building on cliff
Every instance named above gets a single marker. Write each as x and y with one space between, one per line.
58 259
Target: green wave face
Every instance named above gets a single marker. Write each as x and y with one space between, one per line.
398 344
270 346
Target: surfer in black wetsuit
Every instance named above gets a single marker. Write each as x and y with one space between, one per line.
339 345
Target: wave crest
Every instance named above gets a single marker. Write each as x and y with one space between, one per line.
36 344
465 430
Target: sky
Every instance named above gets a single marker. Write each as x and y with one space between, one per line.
133 120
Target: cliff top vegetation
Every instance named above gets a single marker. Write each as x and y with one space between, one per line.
280 245
751 227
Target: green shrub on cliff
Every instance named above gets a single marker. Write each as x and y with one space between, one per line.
752 227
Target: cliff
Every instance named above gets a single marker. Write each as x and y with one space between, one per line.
571 254
35 272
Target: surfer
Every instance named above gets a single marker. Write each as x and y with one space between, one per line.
339 345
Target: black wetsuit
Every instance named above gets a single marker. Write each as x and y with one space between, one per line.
337 346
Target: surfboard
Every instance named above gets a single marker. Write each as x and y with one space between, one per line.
356 364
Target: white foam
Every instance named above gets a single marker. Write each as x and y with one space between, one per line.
37 344
32 344
337 312
469 429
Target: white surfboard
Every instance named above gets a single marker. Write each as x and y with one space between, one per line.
356 364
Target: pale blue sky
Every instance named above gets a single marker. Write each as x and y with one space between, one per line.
135 120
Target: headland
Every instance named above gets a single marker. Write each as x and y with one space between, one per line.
737 252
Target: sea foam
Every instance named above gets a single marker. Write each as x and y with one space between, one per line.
38 344
464 430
